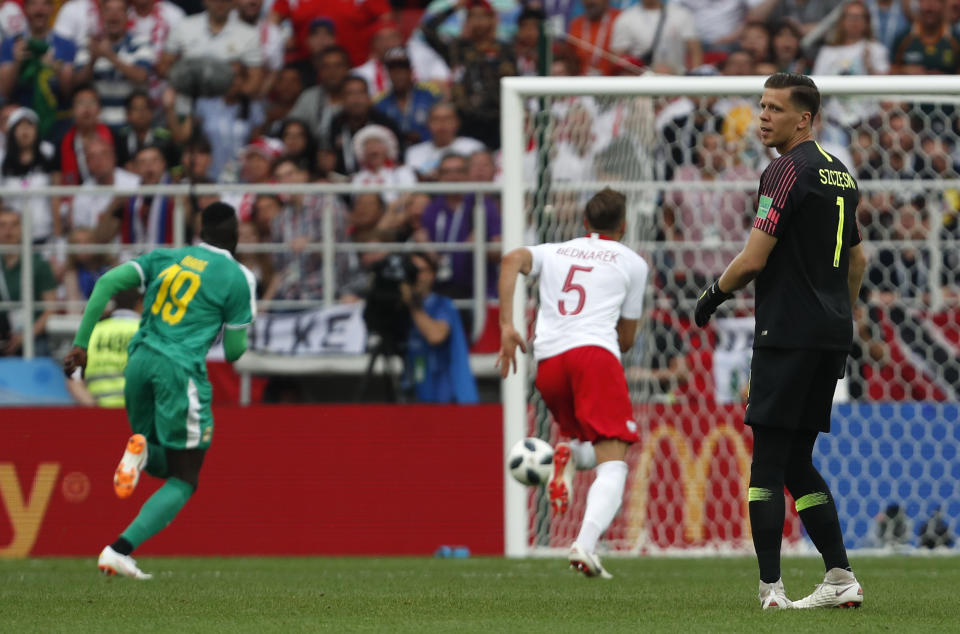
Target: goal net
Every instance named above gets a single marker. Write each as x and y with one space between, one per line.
686 154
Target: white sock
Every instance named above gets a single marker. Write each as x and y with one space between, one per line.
603 502
584 457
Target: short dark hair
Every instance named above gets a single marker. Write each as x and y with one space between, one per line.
336 49
219 226
357 78
152 146
85 87
803 92
606 210
128 298
138 93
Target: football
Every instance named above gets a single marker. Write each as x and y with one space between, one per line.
530 461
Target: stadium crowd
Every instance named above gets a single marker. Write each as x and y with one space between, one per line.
372 92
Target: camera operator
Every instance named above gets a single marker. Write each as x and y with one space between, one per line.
438 361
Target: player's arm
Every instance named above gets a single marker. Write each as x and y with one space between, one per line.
741 271
117 279
627 333
516 262
858 265
234 343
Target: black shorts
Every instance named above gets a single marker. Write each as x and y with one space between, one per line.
792 388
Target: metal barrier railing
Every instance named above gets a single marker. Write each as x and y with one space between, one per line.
327 246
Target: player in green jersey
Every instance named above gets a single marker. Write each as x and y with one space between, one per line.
190 294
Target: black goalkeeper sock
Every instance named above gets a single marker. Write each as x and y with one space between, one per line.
819 516
766 523
122 546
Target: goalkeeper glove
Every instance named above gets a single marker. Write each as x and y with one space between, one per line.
710 300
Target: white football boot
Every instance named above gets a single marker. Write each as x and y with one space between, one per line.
134 459
560 486
840 589
773 597
587 563
113 563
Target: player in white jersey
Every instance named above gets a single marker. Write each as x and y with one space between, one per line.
591 301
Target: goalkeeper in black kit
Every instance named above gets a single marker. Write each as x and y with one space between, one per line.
804 252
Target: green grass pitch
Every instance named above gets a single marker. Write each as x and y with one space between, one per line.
902 594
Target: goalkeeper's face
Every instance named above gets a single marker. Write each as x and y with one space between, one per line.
780 119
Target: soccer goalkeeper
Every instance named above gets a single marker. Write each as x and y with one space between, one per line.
804 251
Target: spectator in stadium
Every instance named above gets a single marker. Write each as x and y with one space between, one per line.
444 126
214 35
196 160
115 61
148 218
376 149
139 132
449 218
154 20
374 70
660 36
270 37
787 56
589 35
87 209
526 41
357 113
755 38
506 15
438 358
932 159
353 22
298 273
256 167
265 208
320 37
888 20
78 21
102 383
406 102
852 51
29 162
260 264
482 168
44 290
898 272
712 217
803 15
319 104
13 22
86 127
298 143
720 22
481 61
37 67
870 353
928 47
83 270
228 122
284 93
657 363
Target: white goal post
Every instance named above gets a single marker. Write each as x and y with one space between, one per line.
516 93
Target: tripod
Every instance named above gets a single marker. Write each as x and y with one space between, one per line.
385 348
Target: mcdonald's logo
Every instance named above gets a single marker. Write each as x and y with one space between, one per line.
694 474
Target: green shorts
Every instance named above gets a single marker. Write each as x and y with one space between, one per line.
166 402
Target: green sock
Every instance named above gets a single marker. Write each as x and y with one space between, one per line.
157 512
156 461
